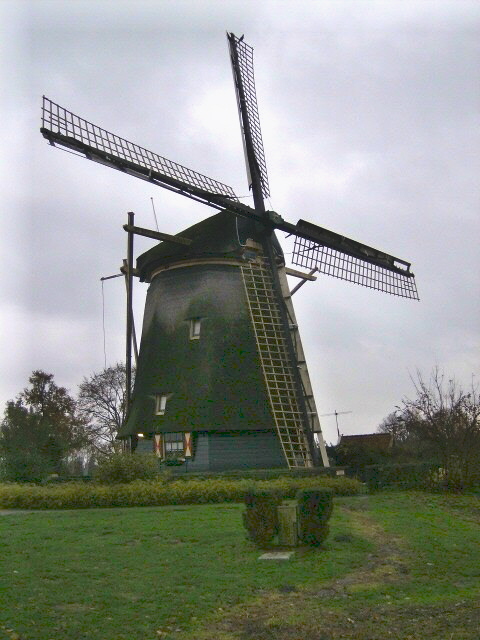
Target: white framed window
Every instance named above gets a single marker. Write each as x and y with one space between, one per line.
174 445
195 327
161 403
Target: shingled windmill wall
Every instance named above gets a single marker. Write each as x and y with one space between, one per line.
214 383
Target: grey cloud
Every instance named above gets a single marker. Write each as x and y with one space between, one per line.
370 123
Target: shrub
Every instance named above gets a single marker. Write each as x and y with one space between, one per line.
121 468
53 478
410 475
314 510
262 474
288 487
261 519
154 493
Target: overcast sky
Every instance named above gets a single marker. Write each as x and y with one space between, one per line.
370 121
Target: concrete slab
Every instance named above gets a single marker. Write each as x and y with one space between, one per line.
277 555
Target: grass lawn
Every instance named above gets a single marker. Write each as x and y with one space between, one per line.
396 565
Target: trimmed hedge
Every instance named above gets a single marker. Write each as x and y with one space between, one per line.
409 475
156 493
315 507
258 474
260 518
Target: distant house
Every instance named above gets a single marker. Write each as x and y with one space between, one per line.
374 442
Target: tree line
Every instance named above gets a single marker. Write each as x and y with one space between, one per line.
45 430
440 423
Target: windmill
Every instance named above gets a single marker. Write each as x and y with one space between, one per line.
222 380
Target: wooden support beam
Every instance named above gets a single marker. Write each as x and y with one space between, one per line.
134 333
300 274
305 277
129 281
123 270
156 235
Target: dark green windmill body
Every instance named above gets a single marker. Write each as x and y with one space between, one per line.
213 352
222 381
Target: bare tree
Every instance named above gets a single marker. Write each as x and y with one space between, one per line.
102 404
394 423
448 418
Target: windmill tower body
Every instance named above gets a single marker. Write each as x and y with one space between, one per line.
215 375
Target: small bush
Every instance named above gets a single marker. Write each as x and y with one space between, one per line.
121 468
314 510
261 519
53 478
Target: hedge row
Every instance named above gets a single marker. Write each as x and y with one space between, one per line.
153 493
179 473
414 475
258 474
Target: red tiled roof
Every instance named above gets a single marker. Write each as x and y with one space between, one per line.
376 441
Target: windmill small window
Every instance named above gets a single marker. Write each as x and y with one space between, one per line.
174 445
161 403
195 326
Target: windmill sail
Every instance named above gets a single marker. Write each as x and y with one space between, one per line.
242 66
315 247
267 301
340 257
66 129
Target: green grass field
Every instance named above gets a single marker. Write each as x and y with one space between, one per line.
396 565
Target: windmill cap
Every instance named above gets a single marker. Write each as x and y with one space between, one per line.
221 236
